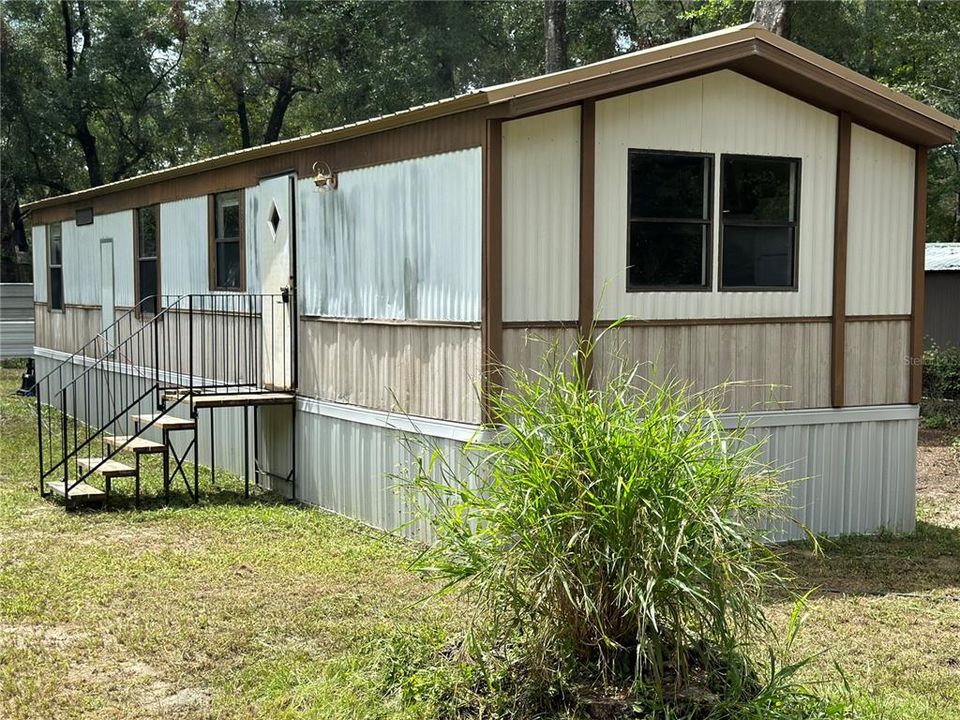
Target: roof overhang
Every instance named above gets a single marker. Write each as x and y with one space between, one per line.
747 49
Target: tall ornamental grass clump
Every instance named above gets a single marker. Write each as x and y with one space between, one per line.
610 537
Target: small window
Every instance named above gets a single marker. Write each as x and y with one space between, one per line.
669 208
227 250
55 266
84 216
148 259
758 235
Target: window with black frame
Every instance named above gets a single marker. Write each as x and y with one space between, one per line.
758 233
227 255
148 258
669 201
55 266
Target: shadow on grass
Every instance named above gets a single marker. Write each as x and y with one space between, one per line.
926 561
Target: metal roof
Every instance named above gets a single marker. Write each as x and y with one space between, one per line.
942 256
748 48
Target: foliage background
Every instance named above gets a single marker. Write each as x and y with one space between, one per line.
93 91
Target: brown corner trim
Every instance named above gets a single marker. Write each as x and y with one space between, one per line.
491 287
841 215
588 161
919 248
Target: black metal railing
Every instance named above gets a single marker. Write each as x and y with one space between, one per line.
148 364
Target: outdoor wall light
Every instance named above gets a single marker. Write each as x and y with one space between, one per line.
325 179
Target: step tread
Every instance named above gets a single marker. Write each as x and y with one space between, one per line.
136 444
80 492
109 468
165 421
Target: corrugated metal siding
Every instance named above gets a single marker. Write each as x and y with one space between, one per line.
397 241
720 112
941 308
876 363
541 204
81 264
847 478
68 330
880 232
16 320
39 243
184 261
119 227
424 371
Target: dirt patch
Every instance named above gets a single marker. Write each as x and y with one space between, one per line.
938 477
51 636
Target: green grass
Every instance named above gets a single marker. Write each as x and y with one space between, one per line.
260 609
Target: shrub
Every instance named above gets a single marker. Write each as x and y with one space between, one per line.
611 542
940 407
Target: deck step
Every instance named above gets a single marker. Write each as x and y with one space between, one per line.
215 400
109 468
164 422
140 445
80 493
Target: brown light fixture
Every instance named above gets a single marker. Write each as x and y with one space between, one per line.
324 178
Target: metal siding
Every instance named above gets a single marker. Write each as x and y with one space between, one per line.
880 233
742 116
119 227
81 264
845 478
39 238
541 196
396 241
16 320
183 247
941 319
876 363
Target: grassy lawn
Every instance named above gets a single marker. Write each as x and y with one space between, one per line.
259 609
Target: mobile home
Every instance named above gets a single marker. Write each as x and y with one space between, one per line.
755 210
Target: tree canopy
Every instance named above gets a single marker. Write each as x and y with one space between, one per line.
93 91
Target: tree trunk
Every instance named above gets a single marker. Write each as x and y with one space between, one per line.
774 15
555 35
81 130
281 102
243 119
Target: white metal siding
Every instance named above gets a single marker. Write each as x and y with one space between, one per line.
395 241
541 196
81 264
39 236
721 112
119 227
880 232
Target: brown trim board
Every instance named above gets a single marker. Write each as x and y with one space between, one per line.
588 176
841 215
390 322
919 247
491 286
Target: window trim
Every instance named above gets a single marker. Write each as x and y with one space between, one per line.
212 241
136 260
795 286
50 268
707 285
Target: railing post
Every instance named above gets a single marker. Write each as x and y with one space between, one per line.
156 352
190 339
63 437
36 392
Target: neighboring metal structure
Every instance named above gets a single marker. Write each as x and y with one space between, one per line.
455 233
16 320
941 318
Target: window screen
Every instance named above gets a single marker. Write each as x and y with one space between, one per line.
227 251
669 202
758 236
148 258
55 265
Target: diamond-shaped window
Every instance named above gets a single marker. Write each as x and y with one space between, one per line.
274 218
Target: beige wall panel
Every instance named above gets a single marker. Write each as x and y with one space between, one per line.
742 116
880 233
876 371
541 195
535 349
773 366
68 330
427 371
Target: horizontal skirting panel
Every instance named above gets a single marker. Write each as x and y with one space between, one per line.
424 371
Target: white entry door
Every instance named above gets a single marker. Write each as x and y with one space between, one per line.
107 296
275 238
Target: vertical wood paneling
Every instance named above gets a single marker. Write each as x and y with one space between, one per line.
423 371
880 235
397 241
877 363
721 112
541 195
769 366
